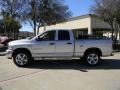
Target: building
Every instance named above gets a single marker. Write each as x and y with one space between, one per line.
87 24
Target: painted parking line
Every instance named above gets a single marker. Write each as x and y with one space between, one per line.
20 77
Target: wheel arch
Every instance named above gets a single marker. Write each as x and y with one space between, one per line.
21 50
94 49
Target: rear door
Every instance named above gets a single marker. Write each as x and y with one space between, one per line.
64 43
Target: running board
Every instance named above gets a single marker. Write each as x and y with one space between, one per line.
72 58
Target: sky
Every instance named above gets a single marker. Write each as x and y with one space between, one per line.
77 7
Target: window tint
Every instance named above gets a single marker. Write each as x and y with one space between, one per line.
48 36
63 35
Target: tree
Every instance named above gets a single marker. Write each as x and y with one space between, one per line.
109 11
13 8
32 13
12 12
2 31
37 12
46 12
10 27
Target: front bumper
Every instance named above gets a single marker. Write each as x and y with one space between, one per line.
9 54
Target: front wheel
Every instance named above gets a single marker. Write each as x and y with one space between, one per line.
21 59
92 58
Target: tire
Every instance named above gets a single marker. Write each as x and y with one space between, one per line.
92 58
21 59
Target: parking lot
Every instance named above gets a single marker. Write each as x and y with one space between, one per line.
61 75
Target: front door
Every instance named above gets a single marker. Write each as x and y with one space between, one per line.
45 45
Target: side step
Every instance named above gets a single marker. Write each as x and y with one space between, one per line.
72 58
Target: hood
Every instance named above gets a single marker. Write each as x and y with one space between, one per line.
22 41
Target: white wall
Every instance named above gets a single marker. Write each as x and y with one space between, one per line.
82 22
73 24
97 23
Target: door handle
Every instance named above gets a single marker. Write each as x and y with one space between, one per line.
69 43
52 43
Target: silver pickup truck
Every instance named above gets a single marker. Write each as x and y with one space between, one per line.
58 44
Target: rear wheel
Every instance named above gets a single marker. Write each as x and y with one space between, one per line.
92 58
21 59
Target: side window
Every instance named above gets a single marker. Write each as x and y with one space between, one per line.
48 36
63 35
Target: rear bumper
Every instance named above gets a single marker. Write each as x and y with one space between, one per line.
9 54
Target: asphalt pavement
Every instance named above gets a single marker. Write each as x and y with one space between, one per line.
61 75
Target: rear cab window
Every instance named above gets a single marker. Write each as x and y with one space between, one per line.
63 35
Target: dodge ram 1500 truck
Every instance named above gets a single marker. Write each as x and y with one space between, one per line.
58 44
